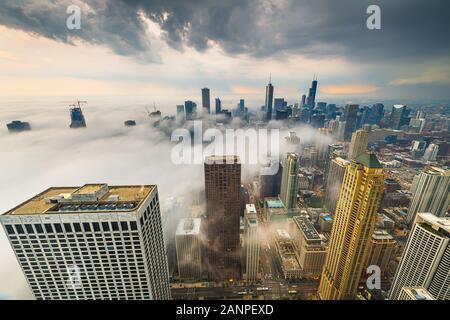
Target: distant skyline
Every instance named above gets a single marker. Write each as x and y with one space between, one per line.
170 50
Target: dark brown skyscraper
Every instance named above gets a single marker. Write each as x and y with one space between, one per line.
222 188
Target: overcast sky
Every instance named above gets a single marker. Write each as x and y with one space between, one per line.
172 48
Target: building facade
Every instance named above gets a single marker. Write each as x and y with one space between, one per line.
206 101
289 181
335 176
222 190
353 226
251 244
358 146
431 193
426 259
91 242
189 249
310 247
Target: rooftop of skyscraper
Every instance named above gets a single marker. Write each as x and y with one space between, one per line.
84 199
307 228
189 226
437 225
437 171
369 160
222 159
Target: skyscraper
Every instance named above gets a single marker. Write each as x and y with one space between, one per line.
382 246
189 249
251 244
190 109
76 117
91 242
431 152
180 113
350 118
353 226
311 99
206 102
241 106
222 189
358 146
270 184
269 101
376 114
335 176
279 104
432 193
303 102
218 106
289 181
426 259
399 116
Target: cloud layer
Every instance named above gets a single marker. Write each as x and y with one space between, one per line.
258 27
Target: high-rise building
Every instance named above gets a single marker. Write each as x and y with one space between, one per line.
353 226
218 106
399 116
206 101
381 249
279 103
77 118
351 119
431 152
376 114
335 176
358 146
180 113
251 244
189 249
269 101
303 102
241 106
18 126
311 99
222 189
415 293
270 184
311 248
432 193
190 109
289 181
331 111
91 242
425 261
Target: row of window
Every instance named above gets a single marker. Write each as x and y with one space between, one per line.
70 227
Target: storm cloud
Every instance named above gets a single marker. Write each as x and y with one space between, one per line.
412 28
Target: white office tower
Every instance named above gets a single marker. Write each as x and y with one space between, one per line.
336 171
432 193
91 242
431 152
360 140
426 259
289 181
251 244
415 293
189 249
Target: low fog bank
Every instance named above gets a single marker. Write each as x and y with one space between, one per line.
106 151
